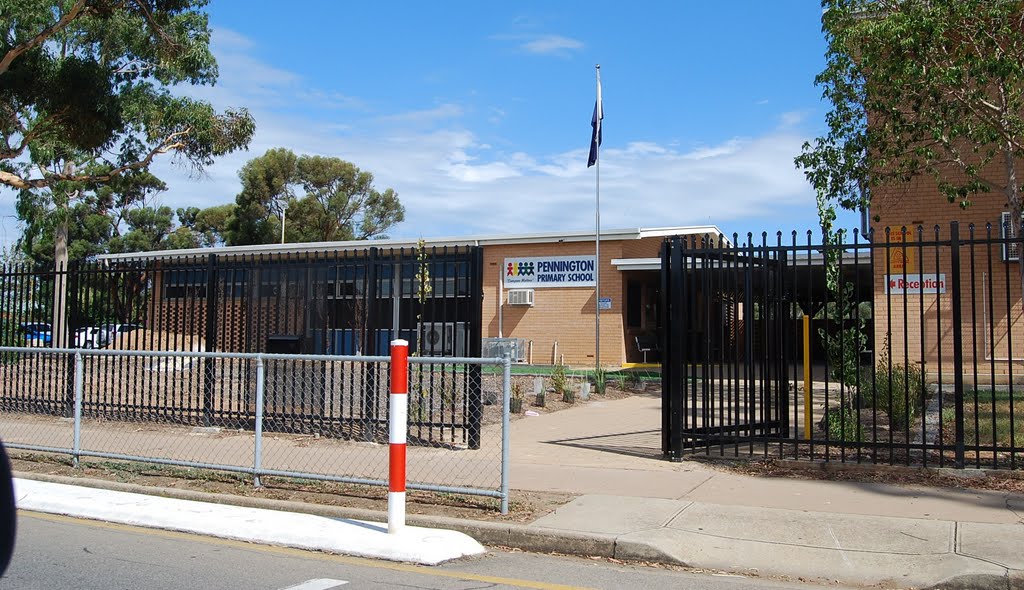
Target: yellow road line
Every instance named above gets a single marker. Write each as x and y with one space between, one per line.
303 554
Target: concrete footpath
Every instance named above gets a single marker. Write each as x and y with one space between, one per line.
632 505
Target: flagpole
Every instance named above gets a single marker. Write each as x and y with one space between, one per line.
597 235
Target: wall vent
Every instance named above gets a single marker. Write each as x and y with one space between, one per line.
1010 232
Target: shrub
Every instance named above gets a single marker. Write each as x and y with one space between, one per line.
897 390
600 380
842 425
516 401
558 379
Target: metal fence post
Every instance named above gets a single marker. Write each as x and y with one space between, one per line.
506 400
476 389
958 342
76 452
257 465
210 331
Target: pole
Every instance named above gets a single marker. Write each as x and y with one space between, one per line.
257 459
506 444
597 234
397 432
807 377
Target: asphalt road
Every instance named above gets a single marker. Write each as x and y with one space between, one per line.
60 552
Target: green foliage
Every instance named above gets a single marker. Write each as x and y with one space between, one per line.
87 91
896 389
842 425
203 228
600 380
559 380
87 103
943 84
321 198
516 399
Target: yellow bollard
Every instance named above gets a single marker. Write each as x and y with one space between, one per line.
807 377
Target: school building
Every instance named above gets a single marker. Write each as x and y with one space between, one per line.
914 280
531 295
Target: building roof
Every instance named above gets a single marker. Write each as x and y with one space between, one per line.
526 238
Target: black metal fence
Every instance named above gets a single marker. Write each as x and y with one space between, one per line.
906 347
322 303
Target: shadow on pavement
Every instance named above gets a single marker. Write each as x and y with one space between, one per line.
644 443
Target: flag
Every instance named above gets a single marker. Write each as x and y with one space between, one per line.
595 122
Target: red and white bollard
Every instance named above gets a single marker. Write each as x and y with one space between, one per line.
398 426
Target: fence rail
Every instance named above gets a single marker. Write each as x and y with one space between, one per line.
305 416
913 346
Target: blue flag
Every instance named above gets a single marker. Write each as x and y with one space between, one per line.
595 122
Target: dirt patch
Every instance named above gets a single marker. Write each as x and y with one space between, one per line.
524 506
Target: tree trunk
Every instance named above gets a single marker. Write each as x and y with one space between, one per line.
1013 199
59 333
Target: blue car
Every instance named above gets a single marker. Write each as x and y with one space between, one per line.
36 333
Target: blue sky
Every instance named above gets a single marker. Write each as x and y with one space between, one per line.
478 113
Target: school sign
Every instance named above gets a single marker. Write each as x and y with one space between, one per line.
549 271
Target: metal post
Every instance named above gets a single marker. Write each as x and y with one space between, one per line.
807 377
474 391
76 452
257 465
506 457
958 342
209 363
598 116
398 427
677 326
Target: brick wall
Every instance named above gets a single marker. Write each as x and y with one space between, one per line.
562 314
990 288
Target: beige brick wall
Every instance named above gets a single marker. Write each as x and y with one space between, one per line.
562 315
991 308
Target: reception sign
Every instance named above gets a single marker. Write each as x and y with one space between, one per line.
549 271
923 284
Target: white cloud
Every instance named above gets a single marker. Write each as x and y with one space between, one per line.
552 45
453 183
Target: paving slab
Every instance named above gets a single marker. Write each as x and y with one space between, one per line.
819 530
612 514
256 525
851 497
811 563
1002 544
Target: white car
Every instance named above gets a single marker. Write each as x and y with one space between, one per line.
91 337
101 336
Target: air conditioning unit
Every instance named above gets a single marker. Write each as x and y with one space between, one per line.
520 297
1010 233
443 338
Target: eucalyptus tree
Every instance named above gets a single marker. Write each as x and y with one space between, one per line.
87 95
316 198
929 88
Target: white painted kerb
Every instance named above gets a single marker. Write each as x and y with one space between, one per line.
256 525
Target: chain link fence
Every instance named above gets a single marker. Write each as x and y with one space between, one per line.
303 416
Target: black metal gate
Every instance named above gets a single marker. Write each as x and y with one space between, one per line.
724 343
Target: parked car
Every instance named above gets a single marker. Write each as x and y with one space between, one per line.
36 333
91 337
101 336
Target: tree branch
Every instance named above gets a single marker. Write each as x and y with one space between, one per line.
174 141
13 53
